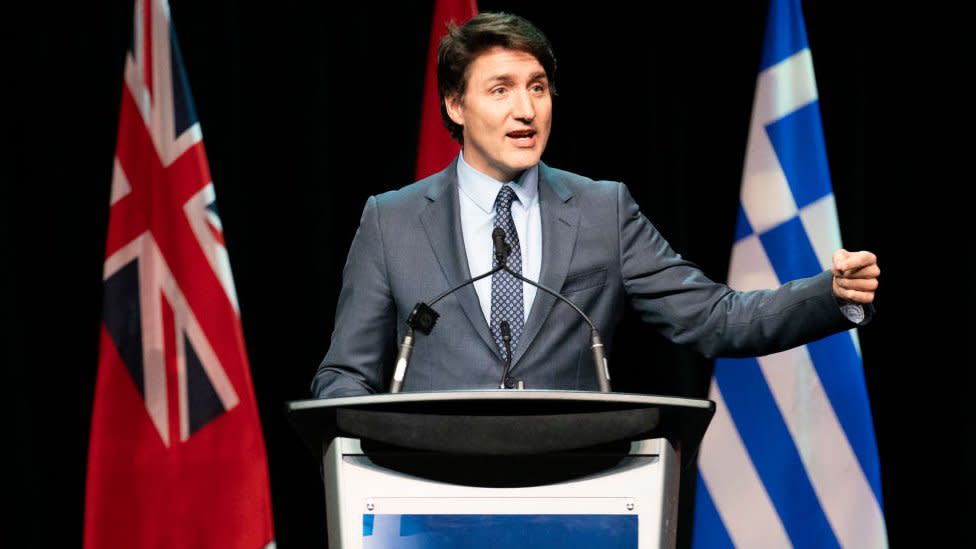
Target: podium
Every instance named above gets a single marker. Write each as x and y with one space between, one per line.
502 468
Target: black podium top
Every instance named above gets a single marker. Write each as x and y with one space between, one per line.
503 422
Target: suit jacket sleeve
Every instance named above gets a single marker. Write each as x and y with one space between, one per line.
365 315
688 308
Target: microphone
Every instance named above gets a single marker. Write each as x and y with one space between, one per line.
423 316
502 249
596 345
507 340
403 357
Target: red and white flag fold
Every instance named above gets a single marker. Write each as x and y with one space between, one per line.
436 148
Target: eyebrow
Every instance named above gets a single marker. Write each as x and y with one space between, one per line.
506 77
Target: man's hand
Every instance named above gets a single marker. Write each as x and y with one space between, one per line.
855 276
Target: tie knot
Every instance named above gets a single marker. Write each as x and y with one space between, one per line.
503 202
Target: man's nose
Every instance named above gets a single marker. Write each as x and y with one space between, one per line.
523 107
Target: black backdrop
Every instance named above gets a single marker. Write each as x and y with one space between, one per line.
308 108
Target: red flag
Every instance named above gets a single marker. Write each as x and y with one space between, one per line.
176 456
436 148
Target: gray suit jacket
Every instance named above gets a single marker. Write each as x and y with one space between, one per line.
598 250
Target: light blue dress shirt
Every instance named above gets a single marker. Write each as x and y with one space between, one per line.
477 193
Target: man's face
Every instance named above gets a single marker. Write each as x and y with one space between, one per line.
506 112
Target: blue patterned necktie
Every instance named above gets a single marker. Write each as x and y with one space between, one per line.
506 290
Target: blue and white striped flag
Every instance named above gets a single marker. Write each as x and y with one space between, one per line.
789 459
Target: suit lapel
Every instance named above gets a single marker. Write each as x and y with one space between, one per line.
560 224
442 222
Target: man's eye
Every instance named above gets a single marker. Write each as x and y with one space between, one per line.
498 91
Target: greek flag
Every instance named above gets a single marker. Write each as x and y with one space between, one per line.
789 459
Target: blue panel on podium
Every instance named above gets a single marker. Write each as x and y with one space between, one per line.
492 531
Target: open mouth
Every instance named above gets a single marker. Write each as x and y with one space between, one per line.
523 138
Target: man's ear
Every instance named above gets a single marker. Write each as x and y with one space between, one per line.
455 109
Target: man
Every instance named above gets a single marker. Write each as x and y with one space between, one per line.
585 239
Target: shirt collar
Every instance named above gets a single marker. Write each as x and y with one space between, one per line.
482 189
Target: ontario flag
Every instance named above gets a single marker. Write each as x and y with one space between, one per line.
436 148
176 455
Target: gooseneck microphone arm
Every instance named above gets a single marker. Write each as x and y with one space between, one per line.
596 345
423 317
502 251
465 283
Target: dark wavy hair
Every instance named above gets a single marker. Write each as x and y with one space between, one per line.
461 45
